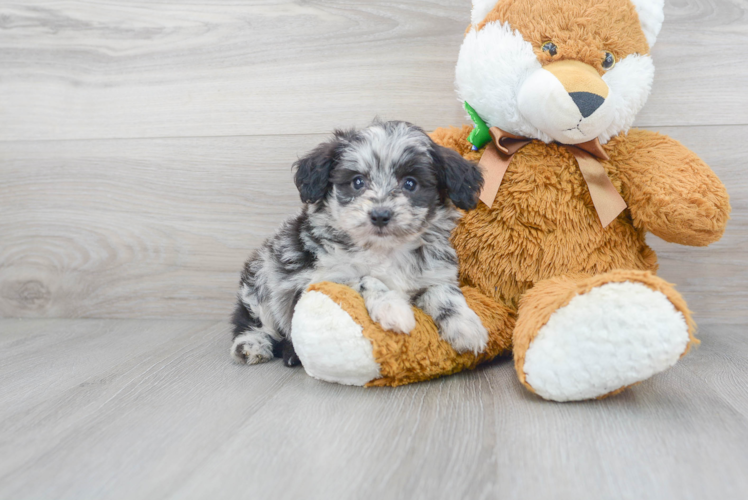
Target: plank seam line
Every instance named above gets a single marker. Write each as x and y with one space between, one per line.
310 134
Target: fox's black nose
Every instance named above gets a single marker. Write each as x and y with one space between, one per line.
587 102
380 217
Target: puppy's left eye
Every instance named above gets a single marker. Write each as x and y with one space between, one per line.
609 61
358 182
410 184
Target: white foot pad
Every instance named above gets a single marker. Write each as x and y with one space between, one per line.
611 337
330 344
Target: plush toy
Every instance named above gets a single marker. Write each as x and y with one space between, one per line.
554 259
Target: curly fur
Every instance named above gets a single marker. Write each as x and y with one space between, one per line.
526 260
337 237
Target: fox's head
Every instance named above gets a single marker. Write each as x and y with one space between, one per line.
559 70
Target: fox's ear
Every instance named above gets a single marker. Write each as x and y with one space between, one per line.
480 9
651 15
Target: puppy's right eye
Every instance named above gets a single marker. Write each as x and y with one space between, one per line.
358 182
410 184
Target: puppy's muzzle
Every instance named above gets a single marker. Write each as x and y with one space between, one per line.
380 217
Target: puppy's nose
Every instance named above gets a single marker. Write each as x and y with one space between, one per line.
587 102
380 217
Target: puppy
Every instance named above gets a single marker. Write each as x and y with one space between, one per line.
379 211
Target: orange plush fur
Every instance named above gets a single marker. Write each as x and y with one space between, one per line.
543 224
422 354
582 29
541 243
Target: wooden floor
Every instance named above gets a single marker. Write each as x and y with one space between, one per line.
145 150
152 409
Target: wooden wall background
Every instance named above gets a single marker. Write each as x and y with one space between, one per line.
145 146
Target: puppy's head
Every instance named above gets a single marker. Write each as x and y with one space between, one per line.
384 184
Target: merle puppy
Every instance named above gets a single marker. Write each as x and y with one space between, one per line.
378 214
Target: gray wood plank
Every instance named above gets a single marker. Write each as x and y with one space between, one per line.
163 224
143 418
48 367
112 393
71 70
159 228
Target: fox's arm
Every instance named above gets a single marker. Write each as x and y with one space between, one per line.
670 191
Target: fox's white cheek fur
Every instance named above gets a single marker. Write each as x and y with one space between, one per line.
493 64
545 103
630 83
500 76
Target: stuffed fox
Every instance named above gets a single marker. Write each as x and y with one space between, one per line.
554 259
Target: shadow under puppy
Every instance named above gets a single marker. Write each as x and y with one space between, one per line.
379 211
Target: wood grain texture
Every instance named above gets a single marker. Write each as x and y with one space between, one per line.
113 69
163 224
159 228
145 150
155 409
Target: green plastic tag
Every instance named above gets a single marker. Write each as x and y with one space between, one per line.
480 136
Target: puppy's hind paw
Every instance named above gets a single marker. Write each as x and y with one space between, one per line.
290 359
393 313
251 350
464 331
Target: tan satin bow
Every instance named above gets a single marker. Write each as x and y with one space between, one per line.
499 152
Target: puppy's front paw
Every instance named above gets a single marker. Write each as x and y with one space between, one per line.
464 331
392 313
251 350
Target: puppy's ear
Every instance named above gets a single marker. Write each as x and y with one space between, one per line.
313 170
461 178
